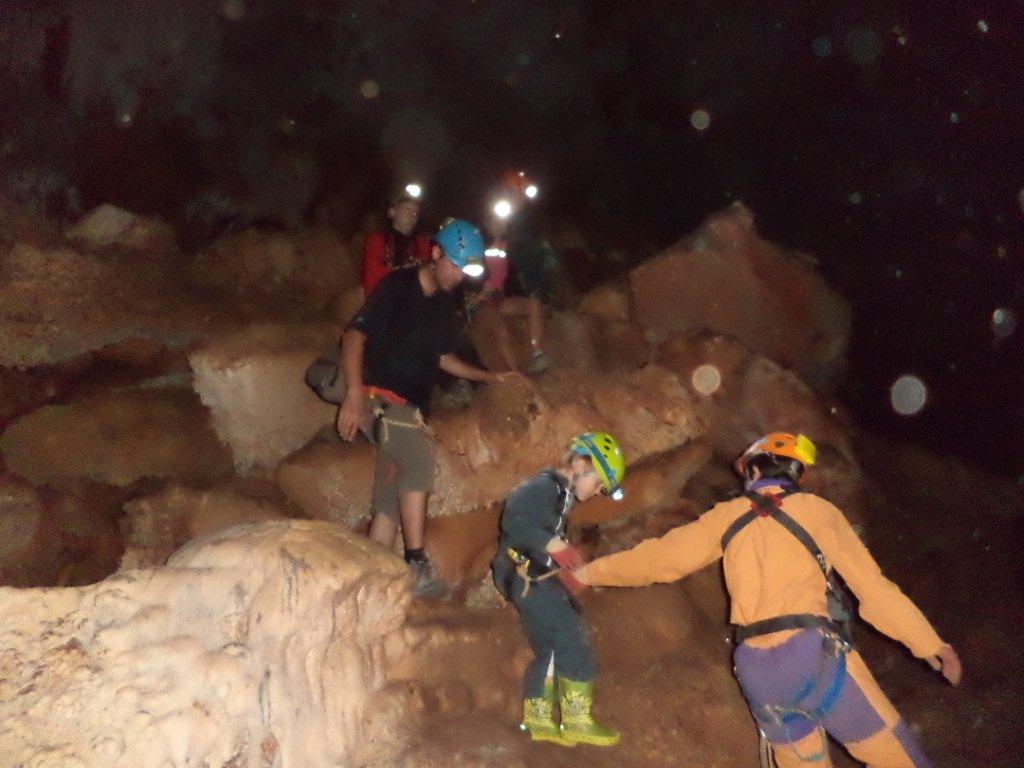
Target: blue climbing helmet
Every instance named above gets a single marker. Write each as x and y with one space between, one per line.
463 245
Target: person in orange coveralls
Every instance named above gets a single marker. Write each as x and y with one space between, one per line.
793 657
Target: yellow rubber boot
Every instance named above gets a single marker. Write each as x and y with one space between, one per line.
539 717
578 726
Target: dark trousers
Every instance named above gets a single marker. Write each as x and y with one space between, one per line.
553 627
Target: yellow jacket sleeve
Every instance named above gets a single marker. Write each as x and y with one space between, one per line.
678 553
882 603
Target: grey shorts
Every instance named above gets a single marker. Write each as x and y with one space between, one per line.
405 458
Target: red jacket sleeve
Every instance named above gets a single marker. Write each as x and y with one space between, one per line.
374 265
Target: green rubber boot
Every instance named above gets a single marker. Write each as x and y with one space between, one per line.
578 727
539 717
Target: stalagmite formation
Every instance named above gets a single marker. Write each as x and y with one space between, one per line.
257 646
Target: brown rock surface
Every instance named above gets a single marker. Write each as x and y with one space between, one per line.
156 525
725 279
48 538
29 541
116 437
57 303
109 226
310 267
741 395
330 480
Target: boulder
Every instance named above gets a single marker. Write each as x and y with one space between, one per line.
156 525
259 645
609 302
29 540
309 268
49 538
253 383
741 396
116 437
108 226
726 280
508 432
57 303
346 304
330 480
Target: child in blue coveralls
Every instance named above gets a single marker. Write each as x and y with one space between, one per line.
532 548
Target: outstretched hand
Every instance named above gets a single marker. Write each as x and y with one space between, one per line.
568 557
948 663
569 560
516 376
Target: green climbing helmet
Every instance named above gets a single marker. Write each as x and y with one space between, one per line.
606 456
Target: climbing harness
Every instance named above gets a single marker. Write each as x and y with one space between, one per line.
835 630
765 755
533 571
829 683
382 400
522 564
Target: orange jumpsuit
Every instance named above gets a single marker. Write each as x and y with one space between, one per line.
769 573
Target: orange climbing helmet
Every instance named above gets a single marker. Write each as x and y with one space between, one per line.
781 445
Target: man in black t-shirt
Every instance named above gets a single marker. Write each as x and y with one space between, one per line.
390 354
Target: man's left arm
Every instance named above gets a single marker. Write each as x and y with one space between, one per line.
450 363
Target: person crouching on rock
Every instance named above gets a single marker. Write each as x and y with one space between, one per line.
793 656
531 549
390 355
491 307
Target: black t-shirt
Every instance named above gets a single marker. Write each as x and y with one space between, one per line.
406 334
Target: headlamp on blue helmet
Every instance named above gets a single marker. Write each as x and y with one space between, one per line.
463 245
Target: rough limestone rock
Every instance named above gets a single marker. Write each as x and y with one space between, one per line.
155 526
741 395
116 437
256 647
461 546
330 480
312 266
609 302
507 433
109 225
57 303
253 383
725 279
345 306
29 540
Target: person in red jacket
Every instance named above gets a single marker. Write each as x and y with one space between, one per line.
396 246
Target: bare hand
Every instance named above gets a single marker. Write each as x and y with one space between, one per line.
567 557
350 416
513 376
947 662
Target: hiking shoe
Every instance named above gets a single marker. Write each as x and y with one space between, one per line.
539 362
425 584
